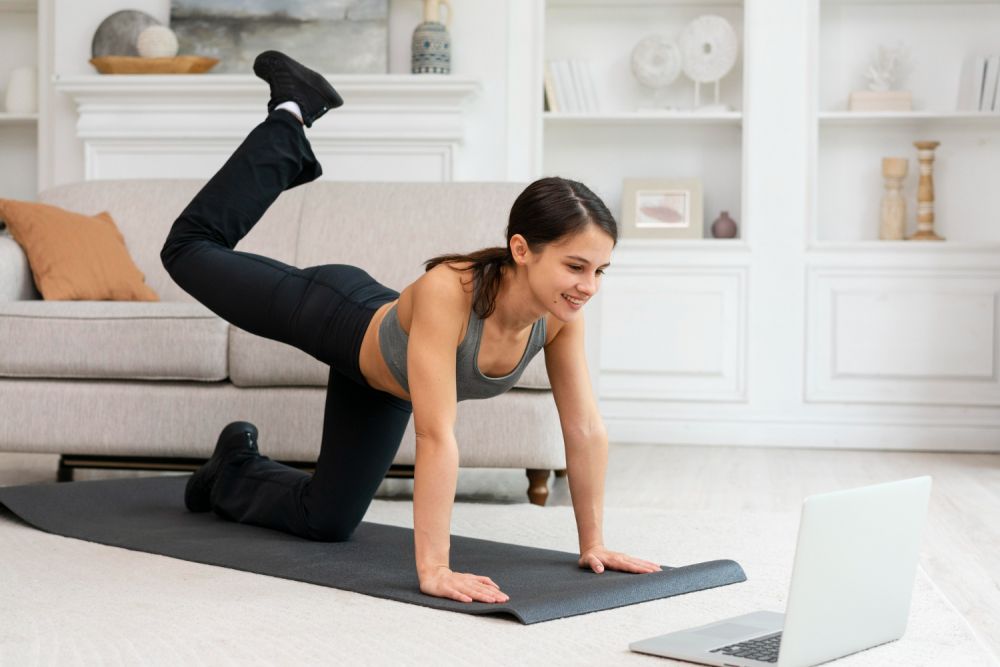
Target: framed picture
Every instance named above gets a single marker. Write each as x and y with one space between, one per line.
661 208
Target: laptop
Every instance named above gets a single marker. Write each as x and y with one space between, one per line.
855 564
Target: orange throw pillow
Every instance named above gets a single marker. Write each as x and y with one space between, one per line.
75 257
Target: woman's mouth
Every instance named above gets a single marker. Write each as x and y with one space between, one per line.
574 303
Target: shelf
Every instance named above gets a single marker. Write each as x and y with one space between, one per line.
954 118
616 4
644 118
941 247
693 245
948 3
17 118
426 91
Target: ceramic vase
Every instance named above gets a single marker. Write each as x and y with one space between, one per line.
430 51
893 222
724 227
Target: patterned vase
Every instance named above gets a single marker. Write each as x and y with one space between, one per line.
431 49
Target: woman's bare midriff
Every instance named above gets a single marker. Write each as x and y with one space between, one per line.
373 366
498 353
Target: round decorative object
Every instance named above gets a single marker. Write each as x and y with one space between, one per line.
157 41
724 227
656 61
708 46
430 50
118 33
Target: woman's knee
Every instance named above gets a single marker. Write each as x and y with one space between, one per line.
333 529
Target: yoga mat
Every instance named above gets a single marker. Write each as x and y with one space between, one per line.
148 514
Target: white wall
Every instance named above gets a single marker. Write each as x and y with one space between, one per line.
479 41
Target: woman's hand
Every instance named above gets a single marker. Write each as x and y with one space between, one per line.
464 587
598 558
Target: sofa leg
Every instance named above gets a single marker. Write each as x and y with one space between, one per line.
561 473
64 473
538 485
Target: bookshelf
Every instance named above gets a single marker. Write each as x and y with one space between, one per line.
627 136
18 132
940 39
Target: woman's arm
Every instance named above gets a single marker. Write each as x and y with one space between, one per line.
586 442
440 309
584 435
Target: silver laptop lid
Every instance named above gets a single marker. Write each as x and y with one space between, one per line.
855 564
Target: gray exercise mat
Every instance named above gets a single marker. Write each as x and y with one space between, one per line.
148 514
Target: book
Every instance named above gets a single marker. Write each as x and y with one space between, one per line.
586 76
549 88
990 83
970 88
564 75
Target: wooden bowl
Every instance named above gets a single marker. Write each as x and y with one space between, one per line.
136 65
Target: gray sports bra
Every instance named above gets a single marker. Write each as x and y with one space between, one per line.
470 382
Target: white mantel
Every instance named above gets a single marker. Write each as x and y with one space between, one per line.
391 127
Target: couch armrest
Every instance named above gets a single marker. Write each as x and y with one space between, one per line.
16 283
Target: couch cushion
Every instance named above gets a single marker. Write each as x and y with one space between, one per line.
75 256
112 340
145 209
261 362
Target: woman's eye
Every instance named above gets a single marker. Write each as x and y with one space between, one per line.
600 272
575 267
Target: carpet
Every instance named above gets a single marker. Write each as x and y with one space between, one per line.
70 602
148 514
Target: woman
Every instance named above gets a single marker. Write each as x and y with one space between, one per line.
392 354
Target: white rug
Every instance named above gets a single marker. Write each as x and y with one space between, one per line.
68 602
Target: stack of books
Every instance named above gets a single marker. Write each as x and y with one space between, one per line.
569 87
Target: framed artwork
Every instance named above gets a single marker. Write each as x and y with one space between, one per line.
329 36
662 208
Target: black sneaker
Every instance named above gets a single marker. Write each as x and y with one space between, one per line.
236 438
291 81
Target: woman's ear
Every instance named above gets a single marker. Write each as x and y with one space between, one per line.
519 249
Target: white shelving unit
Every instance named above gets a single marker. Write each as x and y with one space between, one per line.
19 46
807 330
940 38
625 139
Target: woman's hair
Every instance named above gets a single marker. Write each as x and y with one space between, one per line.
548 210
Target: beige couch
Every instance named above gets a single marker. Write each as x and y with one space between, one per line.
150 385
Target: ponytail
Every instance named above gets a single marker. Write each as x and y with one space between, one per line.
486 270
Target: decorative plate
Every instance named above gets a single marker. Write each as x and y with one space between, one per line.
656 61
709 47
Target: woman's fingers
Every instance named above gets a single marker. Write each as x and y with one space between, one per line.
476 590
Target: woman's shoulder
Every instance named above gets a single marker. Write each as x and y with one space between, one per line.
450 275
442 286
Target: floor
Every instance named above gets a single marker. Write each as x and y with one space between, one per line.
961 541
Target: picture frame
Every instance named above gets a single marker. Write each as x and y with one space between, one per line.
662 208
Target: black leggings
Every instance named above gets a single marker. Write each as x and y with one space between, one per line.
322 310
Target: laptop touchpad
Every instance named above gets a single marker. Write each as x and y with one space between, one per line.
729 631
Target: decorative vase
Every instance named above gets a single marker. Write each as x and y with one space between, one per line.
430 51
22 91
893 224
724 227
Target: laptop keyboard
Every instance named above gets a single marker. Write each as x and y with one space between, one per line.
764 649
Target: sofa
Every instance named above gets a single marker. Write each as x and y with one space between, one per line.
149 385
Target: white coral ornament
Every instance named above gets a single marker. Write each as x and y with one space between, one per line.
157 41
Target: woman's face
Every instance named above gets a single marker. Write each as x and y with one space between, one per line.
566 273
